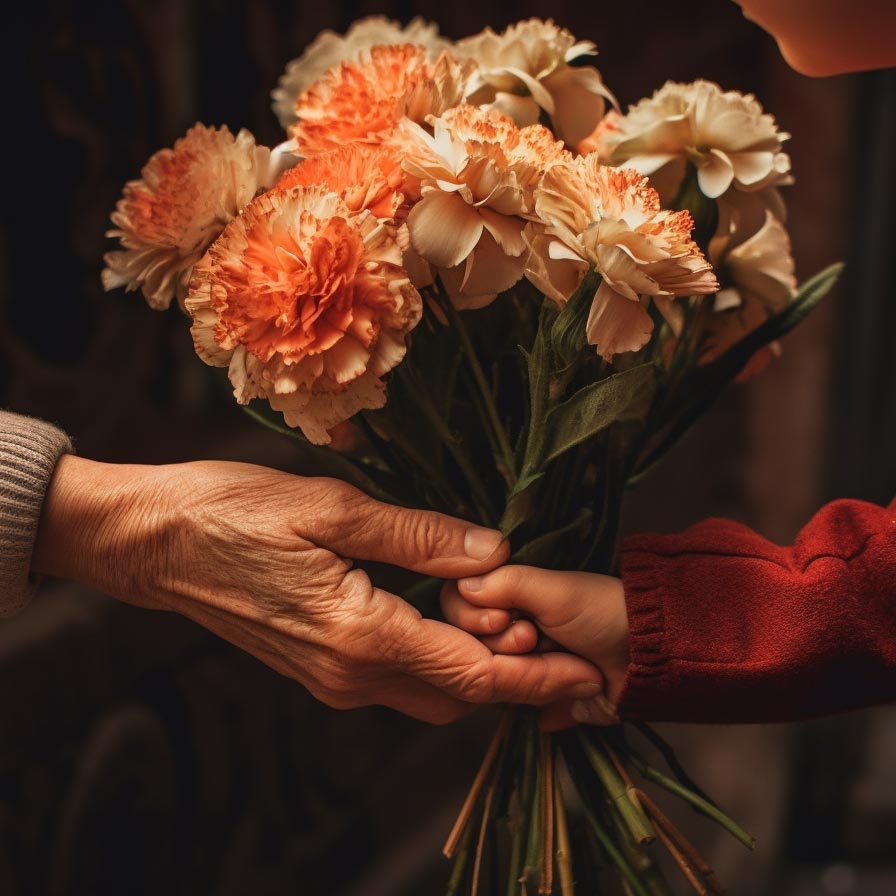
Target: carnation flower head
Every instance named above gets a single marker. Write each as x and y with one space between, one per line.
367 99
608 220
330 49
725 134
365 177
477 182
757 279
525 70
307 304
183 200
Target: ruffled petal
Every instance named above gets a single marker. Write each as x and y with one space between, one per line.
443 228
616 324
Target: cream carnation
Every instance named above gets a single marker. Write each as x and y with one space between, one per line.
330 49
725 134
367 100
477 183
758 281
608 220
308 306
183 200
526 69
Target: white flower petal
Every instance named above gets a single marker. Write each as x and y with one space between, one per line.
616 324
579 98
507 231
444 229
714 173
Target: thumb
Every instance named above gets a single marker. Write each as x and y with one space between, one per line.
423 541
553 598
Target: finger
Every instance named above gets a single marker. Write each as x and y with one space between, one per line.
597 710
553 597
473 619
565 714
354 525
540 678
520 637
422 701
462 667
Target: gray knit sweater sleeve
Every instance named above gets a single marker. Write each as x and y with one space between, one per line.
29 450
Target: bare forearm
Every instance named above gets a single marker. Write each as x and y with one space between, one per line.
102 525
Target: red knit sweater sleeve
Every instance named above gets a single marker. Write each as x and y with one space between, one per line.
728 627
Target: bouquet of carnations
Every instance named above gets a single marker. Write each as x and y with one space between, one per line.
469 283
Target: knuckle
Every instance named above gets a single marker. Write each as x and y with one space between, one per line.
505 580
427 533
477 684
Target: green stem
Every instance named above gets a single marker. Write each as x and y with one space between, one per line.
635 819
527 792
435 479
700 804
626 870
668 754
461 862
481 499
507 467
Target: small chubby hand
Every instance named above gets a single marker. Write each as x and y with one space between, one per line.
513 609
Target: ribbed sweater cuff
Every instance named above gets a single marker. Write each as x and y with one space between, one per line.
642 577
29 451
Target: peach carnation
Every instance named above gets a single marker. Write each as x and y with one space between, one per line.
608 220
758 281
365 177
308 306
366 100
183 200
330 49
477 183
525 70
725 134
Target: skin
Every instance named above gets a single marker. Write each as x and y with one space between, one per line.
259 557
582 612
829 37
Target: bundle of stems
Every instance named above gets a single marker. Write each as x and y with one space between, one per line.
512 835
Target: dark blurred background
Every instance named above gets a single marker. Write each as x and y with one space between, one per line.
140 755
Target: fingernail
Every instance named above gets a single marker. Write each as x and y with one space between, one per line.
480 544
595 711
585 689
474 584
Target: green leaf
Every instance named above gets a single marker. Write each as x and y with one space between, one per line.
622 396
703 385
807 297
538 368
520 503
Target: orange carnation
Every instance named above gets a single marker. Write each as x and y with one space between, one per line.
184 198
367 100
307 304
366 177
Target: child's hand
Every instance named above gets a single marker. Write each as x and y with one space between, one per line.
581 611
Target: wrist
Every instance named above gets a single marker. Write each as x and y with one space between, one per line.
103 525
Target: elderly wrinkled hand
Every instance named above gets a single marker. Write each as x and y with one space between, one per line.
260 557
